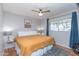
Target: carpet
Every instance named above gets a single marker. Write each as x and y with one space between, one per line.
56 52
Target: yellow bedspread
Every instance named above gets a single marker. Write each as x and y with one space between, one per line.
28 44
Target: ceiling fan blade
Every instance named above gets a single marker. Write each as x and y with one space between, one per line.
45 11
35 11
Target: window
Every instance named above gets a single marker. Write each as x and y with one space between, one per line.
60 25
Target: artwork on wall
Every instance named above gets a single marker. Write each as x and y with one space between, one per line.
27 23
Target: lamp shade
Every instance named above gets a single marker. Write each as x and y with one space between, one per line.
40 29
7 33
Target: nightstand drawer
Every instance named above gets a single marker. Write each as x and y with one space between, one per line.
9 45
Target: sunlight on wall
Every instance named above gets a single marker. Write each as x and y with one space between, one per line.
8 28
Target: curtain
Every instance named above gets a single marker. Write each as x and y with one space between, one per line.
74 31
47 27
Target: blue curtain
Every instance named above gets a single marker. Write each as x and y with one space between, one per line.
47 27
74 31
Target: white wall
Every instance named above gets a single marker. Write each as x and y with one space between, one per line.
61 37
1 26
16 22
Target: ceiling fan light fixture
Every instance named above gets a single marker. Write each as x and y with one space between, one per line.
40 14
41 11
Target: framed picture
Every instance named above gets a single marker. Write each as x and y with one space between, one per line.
27 23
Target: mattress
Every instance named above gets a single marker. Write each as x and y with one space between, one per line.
29 44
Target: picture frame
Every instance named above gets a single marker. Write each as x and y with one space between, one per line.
27 23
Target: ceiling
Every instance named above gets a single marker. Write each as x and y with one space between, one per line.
24 9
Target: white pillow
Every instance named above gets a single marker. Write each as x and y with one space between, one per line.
27 33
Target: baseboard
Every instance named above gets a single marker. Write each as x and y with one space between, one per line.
63 46
66 46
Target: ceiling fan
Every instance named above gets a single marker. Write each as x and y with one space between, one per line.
40 11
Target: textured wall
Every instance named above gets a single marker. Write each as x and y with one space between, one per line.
1 26
15 23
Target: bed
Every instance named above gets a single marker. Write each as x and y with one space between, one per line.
33 45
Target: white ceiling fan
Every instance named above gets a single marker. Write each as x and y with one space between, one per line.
41 11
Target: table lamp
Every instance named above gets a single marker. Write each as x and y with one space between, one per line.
8 33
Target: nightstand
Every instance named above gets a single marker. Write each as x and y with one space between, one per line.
10 44
8 39
9 49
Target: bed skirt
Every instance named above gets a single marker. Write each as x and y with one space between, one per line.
39 52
